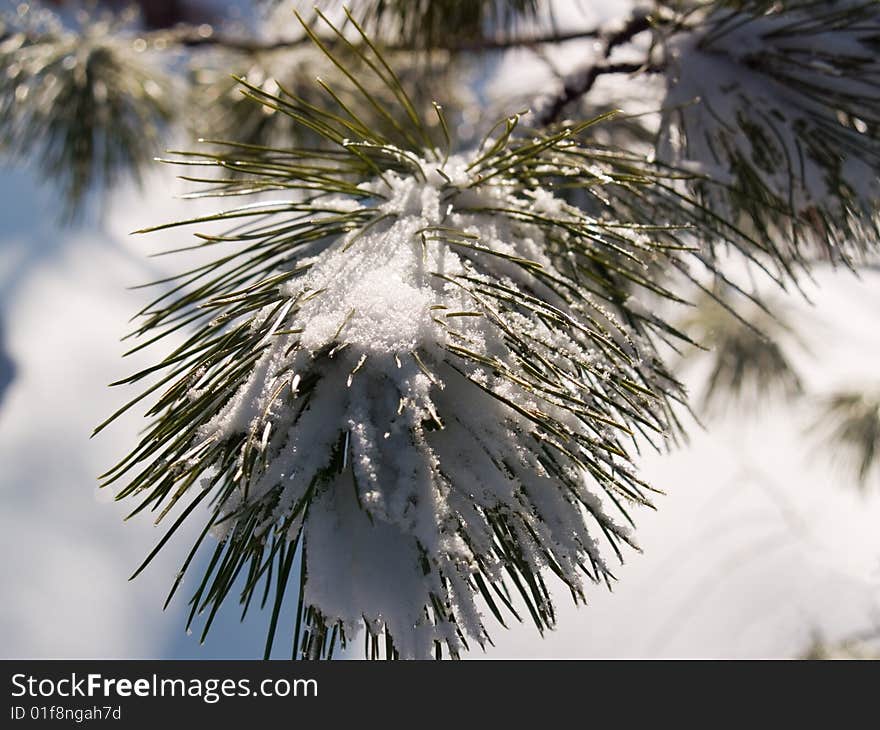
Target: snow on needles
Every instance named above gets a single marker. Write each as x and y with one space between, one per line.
432 414
781 108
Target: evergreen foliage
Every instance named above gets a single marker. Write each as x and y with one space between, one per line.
420 360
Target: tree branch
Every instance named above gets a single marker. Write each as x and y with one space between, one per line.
204 37
638 23
194 37
580 82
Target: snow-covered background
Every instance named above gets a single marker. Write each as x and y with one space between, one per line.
758 544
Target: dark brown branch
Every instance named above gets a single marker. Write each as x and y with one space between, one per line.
579 83
193 38
638 23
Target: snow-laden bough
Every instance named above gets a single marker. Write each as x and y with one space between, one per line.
415 376
778 106
430 408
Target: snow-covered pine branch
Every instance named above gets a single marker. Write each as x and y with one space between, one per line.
418 371
780 103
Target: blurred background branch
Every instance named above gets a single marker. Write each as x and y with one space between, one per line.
93 89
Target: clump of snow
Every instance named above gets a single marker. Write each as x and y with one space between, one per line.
408 451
